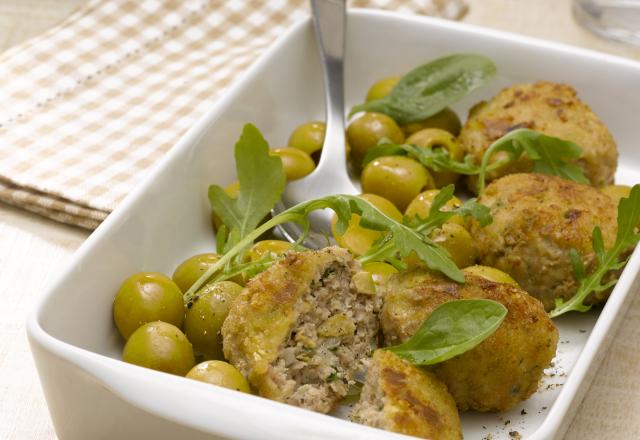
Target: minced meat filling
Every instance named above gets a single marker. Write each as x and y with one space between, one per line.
370 408
326 347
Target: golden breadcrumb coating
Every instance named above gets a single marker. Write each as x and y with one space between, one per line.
537 220
501 371
553 109
400 397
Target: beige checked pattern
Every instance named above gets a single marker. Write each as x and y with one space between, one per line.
92 104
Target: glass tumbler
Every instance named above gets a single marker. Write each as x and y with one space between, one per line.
613 19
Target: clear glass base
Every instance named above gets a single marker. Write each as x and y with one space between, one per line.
613 19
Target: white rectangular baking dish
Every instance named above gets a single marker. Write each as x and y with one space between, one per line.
93 395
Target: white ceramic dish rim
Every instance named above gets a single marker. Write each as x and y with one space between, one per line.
110 368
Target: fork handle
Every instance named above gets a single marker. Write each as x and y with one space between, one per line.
329 19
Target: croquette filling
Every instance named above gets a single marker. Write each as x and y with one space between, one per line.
334 334
370 408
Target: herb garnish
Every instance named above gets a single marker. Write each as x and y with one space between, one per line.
430 88
452 329
402 239
436 159
384 250
607 260
437 217
252 156
551 155
262 180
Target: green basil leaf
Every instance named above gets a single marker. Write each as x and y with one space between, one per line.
452 329
430 88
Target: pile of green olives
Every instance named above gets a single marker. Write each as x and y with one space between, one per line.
398 179
164 335
397 185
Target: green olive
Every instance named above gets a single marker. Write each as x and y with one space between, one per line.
446 120
204 318
308 137
192 268
421 205
268 247
616 192
380 272
357 239
221 374
232 191
382 88
146 297
433 138
296 163
458 242
160 346
399 179
365 132
490 273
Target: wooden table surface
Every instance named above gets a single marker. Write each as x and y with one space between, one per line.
34 250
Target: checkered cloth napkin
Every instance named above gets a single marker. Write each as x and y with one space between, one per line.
88 107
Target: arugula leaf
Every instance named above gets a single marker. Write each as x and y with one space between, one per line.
551 155
262 181
401 239
430 88
607 260
437 217
478 211
221 239
248 269
437 159
383 250
452 329
384 148
353 393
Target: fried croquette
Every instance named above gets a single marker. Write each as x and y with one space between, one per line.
502 370
537 220
553 109
300 331
400 397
